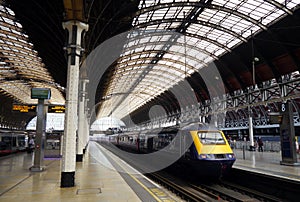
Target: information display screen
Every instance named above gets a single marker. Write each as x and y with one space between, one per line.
40 93
56 109
24 108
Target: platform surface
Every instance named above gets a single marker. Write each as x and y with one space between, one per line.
267 163
95 181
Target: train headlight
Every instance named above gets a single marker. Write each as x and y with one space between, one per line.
203 156
230 156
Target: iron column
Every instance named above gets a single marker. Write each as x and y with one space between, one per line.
75 29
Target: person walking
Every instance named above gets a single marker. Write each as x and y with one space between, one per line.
260 145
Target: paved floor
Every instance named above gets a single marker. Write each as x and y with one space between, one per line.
97 180
265 162
94 182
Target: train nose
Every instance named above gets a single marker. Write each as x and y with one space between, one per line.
224 167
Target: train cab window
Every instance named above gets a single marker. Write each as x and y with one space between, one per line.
211 138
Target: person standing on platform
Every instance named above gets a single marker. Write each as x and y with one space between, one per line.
260 145
297 145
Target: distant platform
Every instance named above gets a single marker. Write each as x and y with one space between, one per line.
266 163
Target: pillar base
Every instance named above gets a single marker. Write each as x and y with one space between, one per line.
67 179
84 149
37 168
79 157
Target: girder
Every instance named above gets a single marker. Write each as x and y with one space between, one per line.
204 23
201 5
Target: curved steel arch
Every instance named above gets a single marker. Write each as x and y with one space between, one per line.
170 52
157 64
157 33
200 22
208 40
159 82
280 6
158 70
157 79
203 5
176 43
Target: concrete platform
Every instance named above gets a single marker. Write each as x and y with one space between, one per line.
266 163
95 181
98 180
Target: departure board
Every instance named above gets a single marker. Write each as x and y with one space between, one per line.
56 109
32 108
24 108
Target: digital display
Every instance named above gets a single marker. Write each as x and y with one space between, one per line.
24 108
32 108
56 109
40 93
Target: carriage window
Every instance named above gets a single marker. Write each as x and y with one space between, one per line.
211 138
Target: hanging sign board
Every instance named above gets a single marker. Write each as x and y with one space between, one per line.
40 93
275 118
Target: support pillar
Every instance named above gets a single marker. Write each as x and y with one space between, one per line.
86 125
75 29
81 140
287 136
40 137
86 133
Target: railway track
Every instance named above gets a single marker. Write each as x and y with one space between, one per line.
233 192
183 190
273 188
249 192
212 192
239 186
216 191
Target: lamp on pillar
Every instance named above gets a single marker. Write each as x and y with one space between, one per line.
254 59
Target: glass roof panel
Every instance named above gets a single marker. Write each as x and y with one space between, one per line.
289 4
22 62
216 29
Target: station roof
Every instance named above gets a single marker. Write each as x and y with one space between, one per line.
176 39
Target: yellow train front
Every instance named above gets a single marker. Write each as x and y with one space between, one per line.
209 153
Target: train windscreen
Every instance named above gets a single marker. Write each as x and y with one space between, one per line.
208 137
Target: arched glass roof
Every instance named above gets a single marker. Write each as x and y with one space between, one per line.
20 66
172 39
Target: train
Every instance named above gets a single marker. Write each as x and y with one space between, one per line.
197 146
12 142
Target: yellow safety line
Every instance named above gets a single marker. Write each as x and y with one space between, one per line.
148 190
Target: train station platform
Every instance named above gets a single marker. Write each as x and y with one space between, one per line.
267 163
96 180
